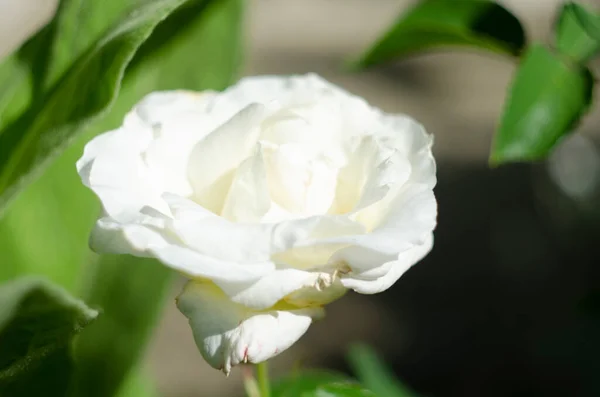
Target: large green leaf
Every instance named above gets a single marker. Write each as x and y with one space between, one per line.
86 91
76 26
138 384
547 98
37 323
319 384
194 53
436 24
15 91
374 374
130 292
28 72
578 32
122 285
46 228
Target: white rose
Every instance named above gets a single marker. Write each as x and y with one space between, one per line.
273 197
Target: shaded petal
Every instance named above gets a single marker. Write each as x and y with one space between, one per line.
196 265
368 284
248 198
149 238
353 176
113 168
404 134
163 106
212 235
214 159
135 238
227 333
297 287
390 174
401 223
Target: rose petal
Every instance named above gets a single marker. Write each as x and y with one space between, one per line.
214 159
196 265
134 238
393 270
248 198
400 223
112 167
227 333
218 237
353 176
297 287
410 139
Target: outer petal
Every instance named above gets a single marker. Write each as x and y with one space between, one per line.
393 270
228 333
130 167
113 168
397 224
134 238
403 134
149 236
196 265
297 287
278 92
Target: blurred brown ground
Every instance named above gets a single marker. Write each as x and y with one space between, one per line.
458 96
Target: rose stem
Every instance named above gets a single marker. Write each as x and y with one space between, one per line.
262 373
250 384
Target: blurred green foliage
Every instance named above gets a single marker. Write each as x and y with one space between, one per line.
319 384
90 87
37 323
552 87
46 228
578 33
372 372
547 98
437 24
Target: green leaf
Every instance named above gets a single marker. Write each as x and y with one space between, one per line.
37 323
547 98
122 285
75 27
51 220
42 59
130 292
45 231
86 91
138 384
319 384
436 24
213 28
374 373
15 91
578 32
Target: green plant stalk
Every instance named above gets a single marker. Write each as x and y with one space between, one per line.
250 384
262 374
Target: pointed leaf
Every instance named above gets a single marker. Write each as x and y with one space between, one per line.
437 24
85 92
37 324
578 32
547 98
